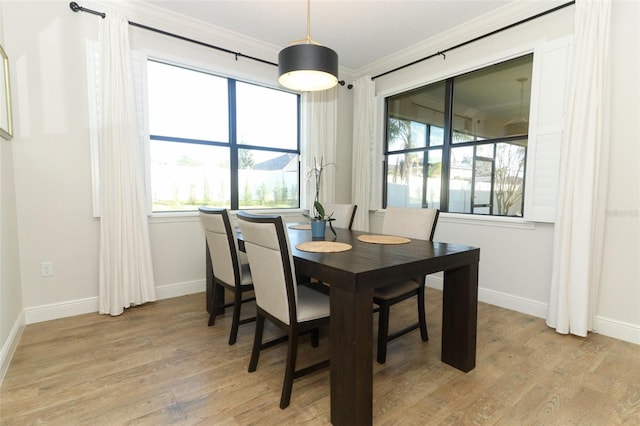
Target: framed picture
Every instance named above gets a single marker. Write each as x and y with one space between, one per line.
6 124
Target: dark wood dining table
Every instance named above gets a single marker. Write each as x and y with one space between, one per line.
352 276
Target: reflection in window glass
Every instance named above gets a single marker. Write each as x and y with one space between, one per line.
405 179
434 178
470 133
186 103
461 137
186 176
509 178
405 134
485 150
436 136
482 184
407 183
424 105
418 135
267 179
493 102
460 175
266 117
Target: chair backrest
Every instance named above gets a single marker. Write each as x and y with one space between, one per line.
342 213
223 246
272 268
410 223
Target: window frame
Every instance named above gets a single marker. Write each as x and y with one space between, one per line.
448 144
233 145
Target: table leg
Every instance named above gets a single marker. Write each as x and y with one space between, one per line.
460 316
351 351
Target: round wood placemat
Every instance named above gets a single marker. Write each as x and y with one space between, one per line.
323 246
302 226
383 239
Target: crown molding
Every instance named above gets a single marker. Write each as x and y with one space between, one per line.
513 12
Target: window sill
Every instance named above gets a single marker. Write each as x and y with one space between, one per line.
192 216
480 220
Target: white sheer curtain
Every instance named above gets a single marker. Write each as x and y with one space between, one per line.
579 226
125 272
365 151
320 115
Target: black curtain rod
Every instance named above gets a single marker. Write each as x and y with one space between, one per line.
442 52
77 8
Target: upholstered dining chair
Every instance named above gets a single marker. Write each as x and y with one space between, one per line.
410 223
229 269
294 309
342 213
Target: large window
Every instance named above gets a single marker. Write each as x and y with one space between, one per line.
220 142
460 145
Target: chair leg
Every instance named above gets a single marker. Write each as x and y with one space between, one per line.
237 303
315 337
422 315
257 343
212 308
383 332
290 369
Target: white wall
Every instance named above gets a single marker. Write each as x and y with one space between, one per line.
11 312
619 302
51 155
344 142
515 260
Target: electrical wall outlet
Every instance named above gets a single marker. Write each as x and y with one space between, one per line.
46 269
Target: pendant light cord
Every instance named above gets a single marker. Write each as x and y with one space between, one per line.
307 39
308 21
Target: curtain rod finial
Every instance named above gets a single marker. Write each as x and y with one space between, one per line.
77 8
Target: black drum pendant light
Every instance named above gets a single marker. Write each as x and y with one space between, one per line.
306 65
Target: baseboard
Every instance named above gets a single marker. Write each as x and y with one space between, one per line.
605 326
54 311
618 329
10 345
90 304
515 303
496 298
180 289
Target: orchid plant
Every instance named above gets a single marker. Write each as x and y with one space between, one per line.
315 173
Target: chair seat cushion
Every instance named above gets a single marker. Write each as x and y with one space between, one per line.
396 289
311 304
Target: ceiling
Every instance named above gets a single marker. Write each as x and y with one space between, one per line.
361 32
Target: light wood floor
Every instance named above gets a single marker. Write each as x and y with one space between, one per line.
159 364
